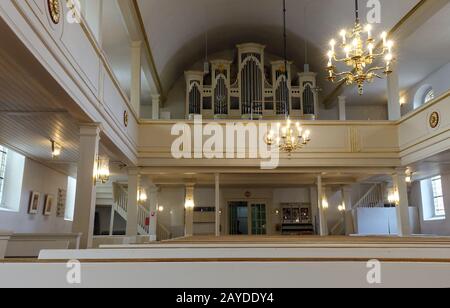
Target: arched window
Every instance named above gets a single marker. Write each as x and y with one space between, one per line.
429 96
424 95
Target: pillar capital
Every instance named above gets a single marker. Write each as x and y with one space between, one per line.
133 171
156 98
136 44
90 129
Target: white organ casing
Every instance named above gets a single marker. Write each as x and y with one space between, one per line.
250 90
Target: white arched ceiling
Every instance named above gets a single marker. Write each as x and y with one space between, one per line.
176 29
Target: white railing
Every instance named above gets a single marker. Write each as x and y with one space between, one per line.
120 199
372 199
162 233
143 216
339 227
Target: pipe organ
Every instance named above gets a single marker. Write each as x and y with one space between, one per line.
250 89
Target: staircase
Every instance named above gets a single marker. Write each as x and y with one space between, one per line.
120 205
373 198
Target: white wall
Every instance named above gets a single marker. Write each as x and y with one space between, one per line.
438 80
42 179
437 227
172 198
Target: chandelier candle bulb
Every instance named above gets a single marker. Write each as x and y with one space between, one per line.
384 38
344 37
369 32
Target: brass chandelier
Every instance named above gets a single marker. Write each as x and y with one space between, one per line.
359 55
287 138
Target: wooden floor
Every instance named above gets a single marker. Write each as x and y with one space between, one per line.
308 240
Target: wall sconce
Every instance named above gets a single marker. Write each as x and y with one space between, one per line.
341 208
161 209
394 197
402 101
142 195
189 204
277 212
56 150
325 204
102 172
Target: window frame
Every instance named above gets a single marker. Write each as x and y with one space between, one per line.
3 161
438 197
429 96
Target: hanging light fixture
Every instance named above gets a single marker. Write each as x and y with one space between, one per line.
360 55
287 137
56 150
102 172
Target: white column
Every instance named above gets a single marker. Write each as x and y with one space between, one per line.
86 187
111 222
400 184
393 91
217 202
342 101
154 204
132 206
135 93
189 211
156 101
322 212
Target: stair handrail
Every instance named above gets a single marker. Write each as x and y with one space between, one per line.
143 216
120 196
162 233
373 198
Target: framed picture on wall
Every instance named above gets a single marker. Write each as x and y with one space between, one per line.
34 203
61 203
49 202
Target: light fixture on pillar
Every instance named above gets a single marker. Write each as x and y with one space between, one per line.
161 209
189 204
394 197
102 172
56 150
142 195
359 55
341 208
325 204
409 176
402 100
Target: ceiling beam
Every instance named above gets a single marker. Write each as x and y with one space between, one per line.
413 20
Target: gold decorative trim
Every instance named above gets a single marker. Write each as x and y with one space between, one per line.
434 120
54 8
125 118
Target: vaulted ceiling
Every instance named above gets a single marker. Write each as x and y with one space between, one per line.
176 31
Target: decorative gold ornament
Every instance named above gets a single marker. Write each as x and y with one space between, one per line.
125 118
434 119
54 9
359 55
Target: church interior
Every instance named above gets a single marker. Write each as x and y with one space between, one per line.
224 143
